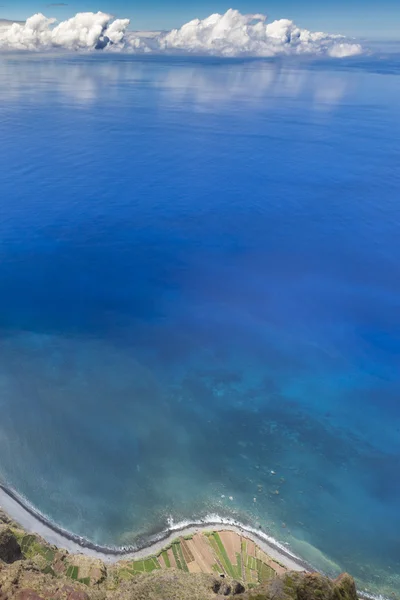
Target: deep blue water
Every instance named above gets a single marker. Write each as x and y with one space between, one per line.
200 298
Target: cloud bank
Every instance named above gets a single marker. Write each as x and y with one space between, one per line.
233 33
230 34
85 31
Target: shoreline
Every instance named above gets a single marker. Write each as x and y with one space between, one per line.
18 509
32 521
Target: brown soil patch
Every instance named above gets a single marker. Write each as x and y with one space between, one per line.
244 542
251 548
279 569
172 558
194 567
202 552
231 541
187 553
161 561
254 576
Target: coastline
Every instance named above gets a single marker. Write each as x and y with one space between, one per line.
18 509
31 520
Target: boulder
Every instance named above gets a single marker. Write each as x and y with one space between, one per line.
216 585
345 587
4 518
237 588
221 587
225 589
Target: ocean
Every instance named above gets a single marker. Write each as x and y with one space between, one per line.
199 298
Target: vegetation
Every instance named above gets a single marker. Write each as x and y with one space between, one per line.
166 559
31 569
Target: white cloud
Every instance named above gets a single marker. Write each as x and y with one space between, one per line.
230 34
234 34
343 49
84 31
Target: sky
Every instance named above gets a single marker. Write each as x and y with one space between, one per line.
361 18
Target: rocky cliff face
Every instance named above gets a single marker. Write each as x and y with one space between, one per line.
31 569
10 550
304 586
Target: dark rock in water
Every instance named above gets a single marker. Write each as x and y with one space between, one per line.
10 550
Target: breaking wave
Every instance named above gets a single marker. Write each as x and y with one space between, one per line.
36 518
230 34
212 520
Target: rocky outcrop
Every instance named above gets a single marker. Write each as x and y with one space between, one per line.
305 586
28 595
237 588
313 586
5 519
10 550
223 587
23 580
345 587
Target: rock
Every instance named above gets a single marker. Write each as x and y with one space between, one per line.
28 595
304 586
10 550
237 588
4 518
345 587
65 593
310 586
314 586
225 589
216 585
78 596
73 594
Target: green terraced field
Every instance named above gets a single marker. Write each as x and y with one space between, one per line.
72 572
222 555
31 547
178 554
166 559
247 568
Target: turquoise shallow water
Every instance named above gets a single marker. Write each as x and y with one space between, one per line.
199 270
